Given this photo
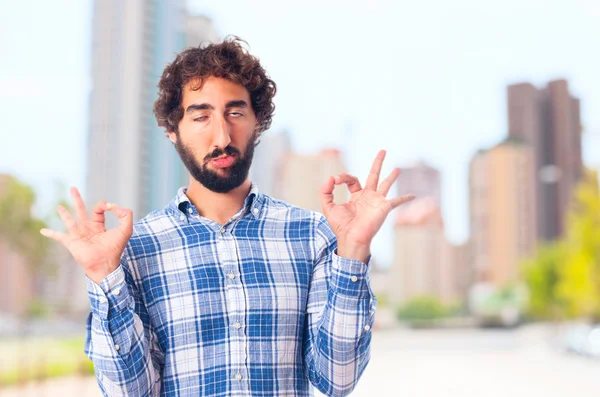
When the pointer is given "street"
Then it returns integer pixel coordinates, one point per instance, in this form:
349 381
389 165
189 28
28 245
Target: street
442 362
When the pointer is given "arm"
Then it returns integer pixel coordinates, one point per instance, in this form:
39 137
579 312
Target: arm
120 341
340 314
340 301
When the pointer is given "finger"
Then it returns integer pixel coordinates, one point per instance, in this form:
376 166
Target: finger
327 194
125 217
80 210
68 220
397 201
54 235
387 183
98 212
350 180
373 178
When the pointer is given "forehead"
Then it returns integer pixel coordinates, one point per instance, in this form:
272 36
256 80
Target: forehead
214 91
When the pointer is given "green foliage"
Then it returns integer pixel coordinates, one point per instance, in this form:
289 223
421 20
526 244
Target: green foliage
422 308
579 280
36 359
542 274
564 277
18 227
37 309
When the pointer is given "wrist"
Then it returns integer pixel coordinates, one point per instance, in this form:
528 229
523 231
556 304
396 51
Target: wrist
356 251
98 274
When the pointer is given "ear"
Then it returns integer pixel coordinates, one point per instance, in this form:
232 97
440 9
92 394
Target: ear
172 136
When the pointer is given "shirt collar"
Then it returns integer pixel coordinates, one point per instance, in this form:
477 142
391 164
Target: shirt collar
253 202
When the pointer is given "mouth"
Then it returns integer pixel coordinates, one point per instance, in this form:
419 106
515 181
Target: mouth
223 161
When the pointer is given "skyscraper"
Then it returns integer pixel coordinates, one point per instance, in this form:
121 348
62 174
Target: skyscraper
130 161
418 244
425 263
303 175
268 163
549 120
502 210
419 179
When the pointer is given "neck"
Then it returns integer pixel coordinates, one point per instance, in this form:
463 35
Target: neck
219 207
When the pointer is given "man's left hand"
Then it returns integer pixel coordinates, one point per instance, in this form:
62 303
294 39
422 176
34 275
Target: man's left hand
356 222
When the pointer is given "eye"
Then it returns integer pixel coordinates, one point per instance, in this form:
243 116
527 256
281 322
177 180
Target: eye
201 118
236 114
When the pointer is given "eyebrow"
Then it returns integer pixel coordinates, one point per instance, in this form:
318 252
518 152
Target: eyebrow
238 103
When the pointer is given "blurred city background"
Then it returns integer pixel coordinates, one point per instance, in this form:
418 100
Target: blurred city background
488 283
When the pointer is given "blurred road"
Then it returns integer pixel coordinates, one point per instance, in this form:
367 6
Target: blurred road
454 363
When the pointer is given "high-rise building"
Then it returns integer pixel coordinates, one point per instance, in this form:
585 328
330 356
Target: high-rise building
502 211
425 263
549 120
268 163
456 273
130 160
419 241
17 281
303 176
421 180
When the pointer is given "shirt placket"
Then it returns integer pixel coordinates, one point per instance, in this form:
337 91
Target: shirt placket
236 307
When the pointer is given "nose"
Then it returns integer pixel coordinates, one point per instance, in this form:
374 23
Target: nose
221 136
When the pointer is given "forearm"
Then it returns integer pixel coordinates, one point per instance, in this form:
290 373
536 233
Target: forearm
117 342
338 347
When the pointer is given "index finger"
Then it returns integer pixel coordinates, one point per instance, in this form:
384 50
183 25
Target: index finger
98 212
373 178
80 211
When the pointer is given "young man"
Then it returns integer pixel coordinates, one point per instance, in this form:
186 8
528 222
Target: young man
226 291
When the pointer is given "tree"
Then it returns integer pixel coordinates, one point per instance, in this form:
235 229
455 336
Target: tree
579 280
542 274
564 276
18 227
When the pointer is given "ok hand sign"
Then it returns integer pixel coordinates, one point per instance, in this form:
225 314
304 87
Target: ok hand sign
96 249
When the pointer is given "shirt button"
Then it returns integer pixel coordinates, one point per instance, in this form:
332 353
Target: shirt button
367 327
354 279
255 210
117 291
238 325
238 376
182 218
102 299
222 230
231 276
190 210
117 347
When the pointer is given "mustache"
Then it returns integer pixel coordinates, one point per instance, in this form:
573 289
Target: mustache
229 151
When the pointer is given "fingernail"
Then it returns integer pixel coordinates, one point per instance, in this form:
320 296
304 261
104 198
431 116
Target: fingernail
108 205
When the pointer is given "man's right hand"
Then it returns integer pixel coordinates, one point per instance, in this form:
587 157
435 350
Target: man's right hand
96 249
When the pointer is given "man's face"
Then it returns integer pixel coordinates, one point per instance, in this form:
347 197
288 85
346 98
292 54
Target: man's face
216 134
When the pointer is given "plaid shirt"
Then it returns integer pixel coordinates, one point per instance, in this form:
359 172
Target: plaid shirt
260 306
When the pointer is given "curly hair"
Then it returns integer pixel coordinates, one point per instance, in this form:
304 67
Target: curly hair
229 60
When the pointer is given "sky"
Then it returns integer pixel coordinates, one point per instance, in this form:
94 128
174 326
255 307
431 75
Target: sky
424 80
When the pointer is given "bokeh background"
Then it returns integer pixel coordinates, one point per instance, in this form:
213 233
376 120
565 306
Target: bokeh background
488 283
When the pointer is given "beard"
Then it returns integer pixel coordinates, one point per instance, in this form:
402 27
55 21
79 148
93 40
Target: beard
233 176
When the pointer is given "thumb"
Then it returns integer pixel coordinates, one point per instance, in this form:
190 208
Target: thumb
326 194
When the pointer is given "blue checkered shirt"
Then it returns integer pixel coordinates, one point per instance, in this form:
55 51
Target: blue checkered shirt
260 306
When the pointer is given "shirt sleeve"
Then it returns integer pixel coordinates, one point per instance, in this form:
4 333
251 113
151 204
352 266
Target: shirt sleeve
120 341
340 313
